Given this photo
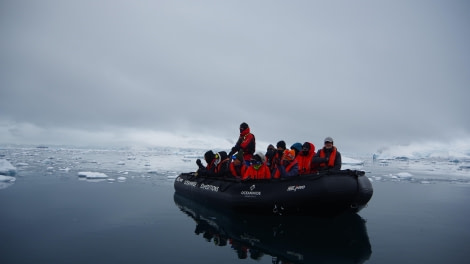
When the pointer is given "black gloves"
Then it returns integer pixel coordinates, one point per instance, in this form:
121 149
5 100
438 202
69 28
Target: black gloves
199 163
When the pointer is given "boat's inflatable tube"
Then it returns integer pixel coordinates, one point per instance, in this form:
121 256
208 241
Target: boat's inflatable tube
317 194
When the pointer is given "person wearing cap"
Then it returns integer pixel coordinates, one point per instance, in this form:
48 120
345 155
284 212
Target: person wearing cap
304 159
237 167
258 170
245 142
328 158
288 166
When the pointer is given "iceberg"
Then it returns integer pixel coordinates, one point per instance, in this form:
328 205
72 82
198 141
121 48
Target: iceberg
6 168
92 175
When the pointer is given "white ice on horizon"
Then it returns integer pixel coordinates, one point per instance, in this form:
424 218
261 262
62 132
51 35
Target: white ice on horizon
457 150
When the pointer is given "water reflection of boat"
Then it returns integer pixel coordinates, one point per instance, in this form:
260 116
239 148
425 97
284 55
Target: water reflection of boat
297 239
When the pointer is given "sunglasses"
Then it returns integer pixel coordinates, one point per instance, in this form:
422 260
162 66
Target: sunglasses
326 142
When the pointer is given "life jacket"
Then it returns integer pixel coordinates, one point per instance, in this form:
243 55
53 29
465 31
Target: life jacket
237 171
305 161
331 161
277 173
259 174
222 166
247 144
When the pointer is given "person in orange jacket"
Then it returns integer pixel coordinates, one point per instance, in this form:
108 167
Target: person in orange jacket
237 167
288 166
305 158
258 170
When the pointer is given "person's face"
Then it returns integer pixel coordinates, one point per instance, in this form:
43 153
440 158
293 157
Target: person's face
328 144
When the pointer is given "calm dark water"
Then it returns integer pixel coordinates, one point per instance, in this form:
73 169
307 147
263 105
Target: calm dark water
55 217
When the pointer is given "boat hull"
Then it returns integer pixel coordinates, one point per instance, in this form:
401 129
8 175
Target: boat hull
316 194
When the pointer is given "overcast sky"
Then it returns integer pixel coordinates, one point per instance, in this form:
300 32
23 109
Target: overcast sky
367 73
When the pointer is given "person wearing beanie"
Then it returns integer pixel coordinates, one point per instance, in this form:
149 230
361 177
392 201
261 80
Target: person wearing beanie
258 170
288 166
246 142
276 160
328 158
209 157
297 147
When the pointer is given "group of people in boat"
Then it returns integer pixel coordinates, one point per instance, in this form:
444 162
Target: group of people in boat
278 162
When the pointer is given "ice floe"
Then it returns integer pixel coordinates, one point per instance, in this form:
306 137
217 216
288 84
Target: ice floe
92 175
6 168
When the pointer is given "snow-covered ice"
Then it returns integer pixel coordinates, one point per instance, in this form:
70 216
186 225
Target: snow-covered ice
6 168
92 175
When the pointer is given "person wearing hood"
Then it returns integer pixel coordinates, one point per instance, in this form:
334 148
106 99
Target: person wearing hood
258 170
245 142
328 158
288 166
304 159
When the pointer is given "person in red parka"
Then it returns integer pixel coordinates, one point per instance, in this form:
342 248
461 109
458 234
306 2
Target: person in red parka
304 159
245 142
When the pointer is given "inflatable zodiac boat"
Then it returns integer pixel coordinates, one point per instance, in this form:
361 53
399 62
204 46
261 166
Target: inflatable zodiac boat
329 193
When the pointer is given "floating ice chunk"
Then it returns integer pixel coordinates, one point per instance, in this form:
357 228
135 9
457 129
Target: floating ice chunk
121 179
22 164
50 168
121 163
350 161
4 178
404 175
92 175
111 180
6 168
65 169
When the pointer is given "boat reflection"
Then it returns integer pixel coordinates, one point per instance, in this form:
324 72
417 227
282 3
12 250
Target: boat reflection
286 239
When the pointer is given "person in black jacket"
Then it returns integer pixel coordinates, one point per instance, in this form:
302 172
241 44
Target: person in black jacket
328 158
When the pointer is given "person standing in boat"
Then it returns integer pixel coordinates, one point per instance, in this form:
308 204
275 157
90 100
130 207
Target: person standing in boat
245 142
288 166
258 170
328 158
237 167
